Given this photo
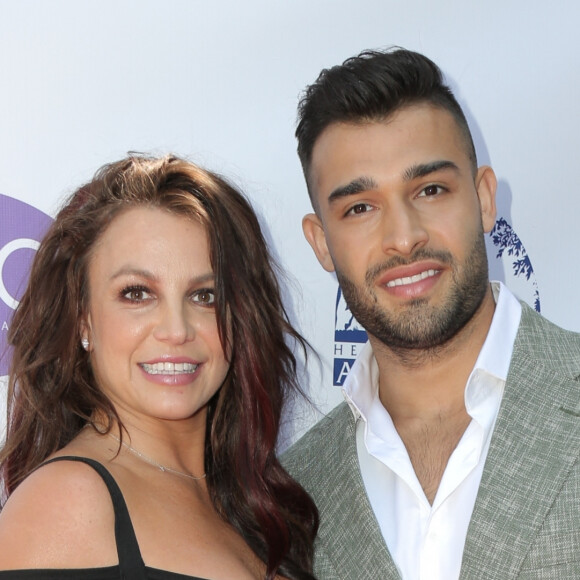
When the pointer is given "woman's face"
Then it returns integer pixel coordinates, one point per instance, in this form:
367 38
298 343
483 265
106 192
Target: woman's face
151 323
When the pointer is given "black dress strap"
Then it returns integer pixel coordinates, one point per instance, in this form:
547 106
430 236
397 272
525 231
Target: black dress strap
131 565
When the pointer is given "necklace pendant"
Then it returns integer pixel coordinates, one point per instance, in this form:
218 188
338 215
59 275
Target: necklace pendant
154 463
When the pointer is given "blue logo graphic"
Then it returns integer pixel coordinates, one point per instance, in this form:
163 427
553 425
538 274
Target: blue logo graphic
511 250
508 262
349 338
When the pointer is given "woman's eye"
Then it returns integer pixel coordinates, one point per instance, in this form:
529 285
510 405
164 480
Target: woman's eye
136 294
204 297
359 208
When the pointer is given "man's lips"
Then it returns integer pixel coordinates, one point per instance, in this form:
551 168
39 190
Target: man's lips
411 274
412 279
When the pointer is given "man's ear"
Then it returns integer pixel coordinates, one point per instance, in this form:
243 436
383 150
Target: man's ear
486 185
314 232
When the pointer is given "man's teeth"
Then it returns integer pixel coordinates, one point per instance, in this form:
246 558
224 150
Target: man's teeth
168 368
411 279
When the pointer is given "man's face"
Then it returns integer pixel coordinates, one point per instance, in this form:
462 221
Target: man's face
401 219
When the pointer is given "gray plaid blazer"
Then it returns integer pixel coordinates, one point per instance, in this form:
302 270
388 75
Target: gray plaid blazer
526 519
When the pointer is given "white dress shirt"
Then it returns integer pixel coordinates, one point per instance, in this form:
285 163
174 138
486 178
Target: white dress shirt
427 541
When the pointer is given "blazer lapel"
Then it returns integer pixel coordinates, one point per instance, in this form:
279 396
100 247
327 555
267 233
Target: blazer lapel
535 443
353 540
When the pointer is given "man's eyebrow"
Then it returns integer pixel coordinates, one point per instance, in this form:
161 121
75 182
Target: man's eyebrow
423 169
357 185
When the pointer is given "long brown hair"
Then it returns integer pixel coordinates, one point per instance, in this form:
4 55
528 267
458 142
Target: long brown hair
52 393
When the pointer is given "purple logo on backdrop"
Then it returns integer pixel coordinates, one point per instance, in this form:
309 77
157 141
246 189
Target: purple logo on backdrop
21 229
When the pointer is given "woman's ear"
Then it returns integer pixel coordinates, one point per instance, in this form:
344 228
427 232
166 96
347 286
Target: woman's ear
85 333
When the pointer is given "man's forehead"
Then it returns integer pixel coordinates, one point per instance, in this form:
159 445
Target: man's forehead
340 130
412 135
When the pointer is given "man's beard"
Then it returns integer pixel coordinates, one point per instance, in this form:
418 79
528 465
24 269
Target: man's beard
419 326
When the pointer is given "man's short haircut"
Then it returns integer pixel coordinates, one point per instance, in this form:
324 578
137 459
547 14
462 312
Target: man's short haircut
371 87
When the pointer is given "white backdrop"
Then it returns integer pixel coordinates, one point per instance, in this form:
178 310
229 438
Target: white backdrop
83 83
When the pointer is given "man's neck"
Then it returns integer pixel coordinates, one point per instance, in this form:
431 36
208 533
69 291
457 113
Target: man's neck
424 395
422 383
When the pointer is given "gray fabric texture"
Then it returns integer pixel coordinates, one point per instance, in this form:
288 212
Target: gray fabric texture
526 520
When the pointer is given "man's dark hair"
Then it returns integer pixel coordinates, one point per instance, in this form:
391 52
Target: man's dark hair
371 87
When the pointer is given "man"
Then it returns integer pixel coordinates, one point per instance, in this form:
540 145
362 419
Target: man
455 454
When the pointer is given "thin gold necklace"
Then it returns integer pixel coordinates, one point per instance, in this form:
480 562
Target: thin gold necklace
151 461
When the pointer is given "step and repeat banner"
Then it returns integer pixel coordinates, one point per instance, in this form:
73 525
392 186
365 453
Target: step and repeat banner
83 83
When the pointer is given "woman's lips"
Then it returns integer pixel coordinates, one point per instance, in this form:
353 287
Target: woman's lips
174 371
169 368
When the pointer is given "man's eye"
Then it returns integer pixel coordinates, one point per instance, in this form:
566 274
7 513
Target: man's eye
205 297
359 208
431 190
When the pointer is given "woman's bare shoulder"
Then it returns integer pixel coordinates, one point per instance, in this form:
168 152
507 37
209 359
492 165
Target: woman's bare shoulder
60 516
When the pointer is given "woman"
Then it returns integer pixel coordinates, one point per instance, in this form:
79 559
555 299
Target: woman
150 356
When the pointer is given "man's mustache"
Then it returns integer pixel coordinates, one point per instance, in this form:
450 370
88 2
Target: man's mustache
422 254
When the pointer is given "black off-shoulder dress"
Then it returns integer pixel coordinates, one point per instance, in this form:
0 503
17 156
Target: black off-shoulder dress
131 565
